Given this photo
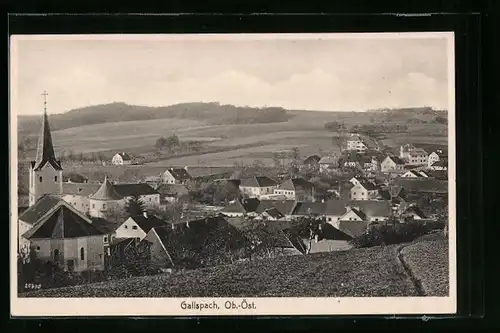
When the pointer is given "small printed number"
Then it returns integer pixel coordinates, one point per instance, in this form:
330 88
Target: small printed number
32 286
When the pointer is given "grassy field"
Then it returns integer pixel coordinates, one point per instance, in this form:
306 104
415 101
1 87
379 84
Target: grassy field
428 261
372 272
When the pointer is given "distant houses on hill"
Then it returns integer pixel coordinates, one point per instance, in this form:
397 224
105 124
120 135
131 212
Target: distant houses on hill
121 158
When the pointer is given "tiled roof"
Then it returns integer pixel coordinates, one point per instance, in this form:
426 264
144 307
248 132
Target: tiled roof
428 185
173 190
148 223
104 225
329 232
258 181
242 206
128 190
314 159
440 163
106 191
416 210
368 186
284 206
40 208
306 208
63 223
179 173
296 184
203 238
396 160
83 189
372 208
328 160
353 228
335 207
274 213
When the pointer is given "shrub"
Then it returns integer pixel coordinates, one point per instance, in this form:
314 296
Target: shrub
385 234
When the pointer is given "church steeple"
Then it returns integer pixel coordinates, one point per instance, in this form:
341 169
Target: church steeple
45 149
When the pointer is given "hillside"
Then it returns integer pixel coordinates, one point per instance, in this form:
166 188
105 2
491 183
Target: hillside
215 113
372 272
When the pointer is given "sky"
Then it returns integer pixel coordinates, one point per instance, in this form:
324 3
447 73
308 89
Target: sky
323 74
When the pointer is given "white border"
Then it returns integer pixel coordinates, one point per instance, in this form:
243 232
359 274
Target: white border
265 306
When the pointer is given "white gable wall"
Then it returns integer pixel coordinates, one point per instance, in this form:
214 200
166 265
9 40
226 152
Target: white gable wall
129 229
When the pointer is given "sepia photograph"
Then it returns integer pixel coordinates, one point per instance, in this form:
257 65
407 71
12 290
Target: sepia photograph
232 174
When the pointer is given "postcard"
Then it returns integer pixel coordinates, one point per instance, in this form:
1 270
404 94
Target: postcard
232 174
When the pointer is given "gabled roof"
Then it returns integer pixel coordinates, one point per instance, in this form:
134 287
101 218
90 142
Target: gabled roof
313 159
134 189
83 189
335 207
242 206
124 156
147 223
440 163
63 223
353 228
179 173
258 181
373 208
296 184
428 185
104 225
284 206
418 151
45 150
415 173
396 160
366 185
106 192
416 210
203 238
274 213
359 213
307 208
172 190
328 160
43 205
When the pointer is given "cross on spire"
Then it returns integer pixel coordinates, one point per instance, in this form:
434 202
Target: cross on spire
45 94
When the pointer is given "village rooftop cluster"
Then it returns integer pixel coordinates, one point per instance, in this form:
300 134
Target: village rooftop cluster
68 222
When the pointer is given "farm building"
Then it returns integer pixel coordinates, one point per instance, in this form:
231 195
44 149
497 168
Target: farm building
121 159
175 176
255 187
392 163
297 189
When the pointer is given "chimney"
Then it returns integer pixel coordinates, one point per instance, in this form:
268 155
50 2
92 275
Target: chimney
322 200
316 238
173 226
145 214
187 224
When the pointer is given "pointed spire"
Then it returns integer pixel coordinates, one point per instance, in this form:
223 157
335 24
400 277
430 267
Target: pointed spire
106 192
45 149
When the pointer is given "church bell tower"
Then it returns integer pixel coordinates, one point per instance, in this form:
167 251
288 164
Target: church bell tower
45 170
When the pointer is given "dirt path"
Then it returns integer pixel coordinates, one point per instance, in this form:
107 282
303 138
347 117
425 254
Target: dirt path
416 282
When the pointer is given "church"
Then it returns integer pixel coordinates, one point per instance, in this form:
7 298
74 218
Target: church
58 232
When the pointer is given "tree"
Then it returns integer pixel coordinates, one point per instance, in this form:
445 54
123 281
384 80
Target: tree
295 155
276 160
172 142
135 206
440 120
310 227
116 214
160 142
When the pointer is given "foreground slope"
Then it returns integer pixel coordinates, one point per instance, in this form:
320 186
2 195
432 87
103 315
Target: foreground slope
360 272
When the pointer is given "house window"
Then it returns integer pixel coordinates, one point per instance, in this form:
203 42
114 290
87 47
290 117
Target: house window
56 255
93 205
126 227
40 179
329 219
134 227
105 239
103 206
38 248
55 178
82 253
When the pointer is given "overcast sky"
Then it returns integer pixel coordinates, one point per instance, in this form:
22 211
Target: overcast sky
317 74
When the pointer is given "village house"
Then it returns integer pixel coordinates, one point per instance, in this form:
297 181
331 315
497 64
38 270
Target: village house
312 161
241 207
417 156
441 165
405 150
412 212
121 159
328 163
357 180
355 143
364 191
194 243
392 163
413 174
271 214
436 156
78 195
297 189
175 176
66 237
115 196
137 227
352 160
285 207
74 177
423 186
255 187
172 192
